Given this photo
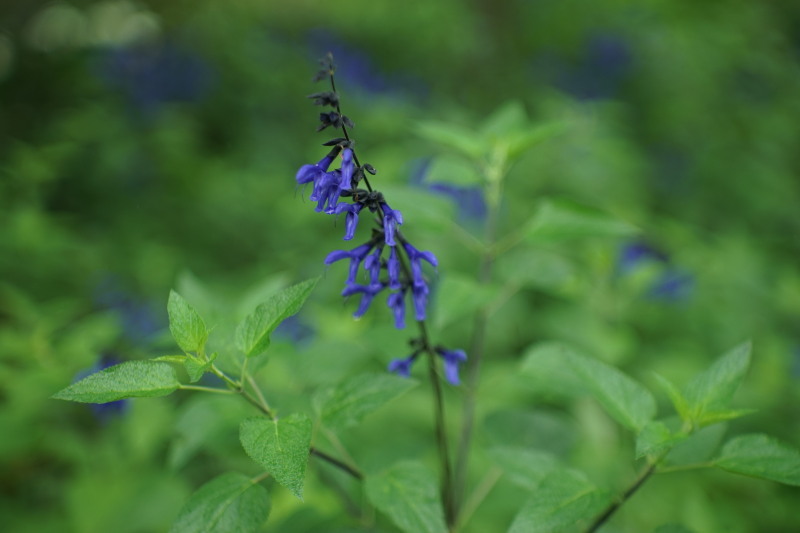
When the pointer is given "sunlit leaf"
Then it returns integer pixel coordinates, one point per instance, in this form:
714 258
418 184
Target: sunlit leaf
230 503
185 324
133 379
761 456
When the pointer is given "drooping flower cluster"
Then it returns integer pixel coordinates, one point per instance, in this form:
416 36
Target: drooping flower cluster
390 263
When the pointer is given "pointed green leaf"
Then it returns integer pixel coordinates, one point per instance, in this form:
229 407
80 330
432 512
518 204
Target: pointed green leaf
520 141
523 467
252 335
712 390
453 170
185 324
655 438
508 118
196 367
453 136
564 501
230 503
675 396
350 401
561 220
280 446
761 456
407 492
628 402
134 379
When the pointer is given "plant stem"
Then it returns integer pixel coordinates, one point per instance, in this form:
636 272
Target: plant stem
341 465
441 439
477 344
611 509
206 389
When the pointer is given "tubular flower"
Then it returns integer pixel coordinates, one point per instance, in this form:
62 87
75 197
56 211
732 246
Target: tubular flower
452 359
356 256
309 173
351 219
391 219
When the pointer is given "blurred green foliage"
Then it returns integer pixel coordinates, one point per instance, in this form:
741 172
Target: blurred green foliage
149 145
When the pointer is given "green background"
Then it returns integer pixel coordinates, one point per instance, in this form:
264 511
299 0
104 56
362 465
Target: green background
152 145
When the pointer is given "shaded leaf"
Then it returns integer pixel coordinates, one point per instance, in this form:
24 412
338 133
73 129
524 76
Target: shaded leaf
349 402
675 396
230 503
196 367
408 493
456 137
280 446
698 447
453 170
524 467
561 220
185 324
761 456
655 438
563 501
711 391
252 335
133 379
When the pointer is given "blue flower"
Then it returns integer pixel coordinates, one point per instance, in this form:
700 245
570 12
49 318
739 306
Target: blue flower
368 293
393 269
356 255
402 367
397 303
372 264
452 359
311 173
347 169
419 295
351 219
391 219
326 192
415 257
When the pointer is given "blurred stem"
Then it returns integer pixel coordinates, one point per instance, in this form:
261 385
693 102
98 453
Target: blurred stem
478 495
611 509
648 471
495 172
341 465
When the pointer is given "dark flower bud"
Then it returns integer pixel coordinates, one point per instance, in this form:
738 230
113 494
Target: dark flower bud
336 141
326 98
369 168
331 118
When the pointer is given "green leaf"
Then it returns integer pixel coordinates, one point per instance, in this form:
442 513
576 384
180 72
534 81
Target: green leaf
655 438
672 528
185 323
521 141
710 392
280 446
698 448
252 335
196 367
675 396
230 503
462 140
407 492
628 402
761 456
350 401
134 379
453 170
523 467
508 118
176 359
564 501
561 220
459 297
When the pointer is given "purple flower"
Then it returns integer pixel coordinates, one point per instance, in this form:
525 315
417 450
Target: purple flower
356 255
391 219
397 303
372 264
419 295
402 367
309 173
326 192
393 269
368 293
415 257
347 170
351 219
452 359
